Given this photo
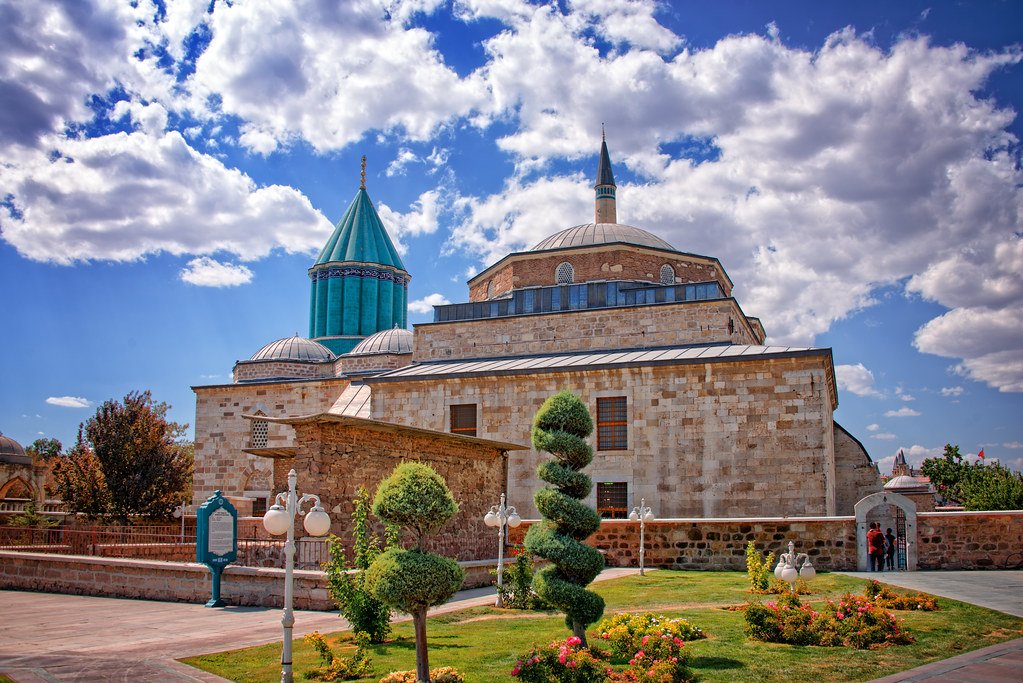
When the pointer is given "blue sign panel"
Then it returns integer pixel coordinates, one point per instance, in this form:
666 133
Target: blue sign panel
216 539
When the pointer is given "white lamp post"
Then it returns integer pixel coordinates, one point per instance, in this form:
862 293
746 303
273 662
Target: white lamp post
179 512
279 520
641 514
787 563
498 516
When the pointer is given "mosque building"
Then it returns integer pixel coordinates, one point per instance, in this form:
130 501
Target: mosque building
694 413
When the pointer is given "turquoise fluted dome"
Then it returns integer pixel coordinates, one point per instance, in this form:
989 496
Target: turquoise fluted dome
359 284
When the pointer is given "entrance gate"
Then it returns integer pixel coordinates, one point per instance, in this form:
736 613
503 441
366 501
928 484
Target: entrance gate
905 521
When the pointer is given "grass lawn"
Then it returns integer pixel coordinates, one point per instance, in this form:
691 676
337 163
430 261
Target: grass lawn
484 642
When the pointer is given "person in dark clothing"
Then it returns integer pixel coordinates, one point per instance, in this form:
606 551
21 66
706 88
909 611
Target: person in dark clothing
875 547
890 548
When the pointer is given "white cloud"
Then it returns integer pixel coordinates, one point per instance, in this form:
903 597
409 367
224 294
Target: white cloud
873 427
904 411
916 454
401 161
421 219
69 401
426 304
207 272
122 196
856 379
1013 445
951 391
903 396
884 436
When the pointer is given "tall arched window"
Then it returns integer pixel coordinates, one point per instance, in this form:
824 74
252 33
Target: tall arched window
667 275
565 274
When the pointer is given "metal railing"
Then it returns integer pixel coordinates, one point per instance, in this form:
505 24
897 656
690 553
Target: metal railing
165 543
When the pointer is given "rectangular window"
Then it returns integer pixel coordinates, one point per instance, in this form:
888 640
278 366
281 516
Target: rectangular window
613 499
463 419
612 424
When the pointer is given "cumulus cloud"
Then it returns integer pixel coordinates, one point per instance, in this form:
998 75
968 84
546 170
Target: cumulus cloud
426 304
420 219
856 379
69 401
884 436
952 391
905 411
903 396
873 427
1013 445
207 272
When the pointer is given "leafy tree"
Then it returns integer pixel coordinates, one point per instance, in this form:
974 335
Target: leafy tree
414 497
128 462
44 452
560 428
977 486
347 588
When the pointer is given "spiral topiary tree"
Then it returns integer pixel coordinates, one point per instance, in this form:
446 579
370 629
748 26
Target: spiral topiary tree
416 498
560 428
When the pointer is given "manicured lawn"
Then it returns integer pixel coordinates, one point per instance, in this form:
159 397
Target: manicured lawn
484 642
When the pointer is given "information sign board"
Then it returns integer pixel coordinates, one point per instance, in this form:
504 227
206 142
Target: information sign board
216 539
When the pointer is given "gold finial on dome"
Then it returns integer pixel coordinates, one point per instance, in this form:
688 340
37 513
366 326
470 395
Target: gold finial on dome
362 182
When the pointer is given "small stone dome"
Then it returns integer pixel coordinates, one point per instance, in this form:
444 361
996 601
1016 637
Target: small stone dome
602 233
397 340
12 452
904 482
294 349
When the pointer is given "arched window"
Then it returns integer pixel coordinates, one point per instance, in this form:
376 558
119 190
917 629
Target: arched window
260 431
565 274
667 275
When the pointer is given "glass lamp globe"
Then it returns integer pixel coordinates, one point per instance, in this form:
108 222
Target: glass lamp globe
778 570
276 520
789 574
634 516
807 572
514 520
648 517
491 519
317 522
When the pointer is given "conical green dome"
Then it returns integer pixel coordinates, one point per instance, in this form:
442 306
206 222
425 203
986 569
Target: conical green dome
360 237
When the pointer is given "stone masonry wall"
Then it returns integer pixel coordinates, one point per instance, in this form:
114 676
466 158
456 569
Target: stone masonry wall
857 475
375 361
598 263
253 370
221 432
727 439
970 540
340 458
671 324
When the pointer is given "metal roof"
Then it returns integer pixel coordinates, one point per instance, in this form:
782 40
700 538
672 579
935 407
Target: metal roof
12 452
294 348
598 359
589 234
354 401
360 237
396 340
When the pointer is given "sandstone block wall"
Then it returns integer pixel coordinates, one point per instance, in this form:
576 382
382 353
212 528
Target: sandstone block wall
221 432
255 370
669 324
729 439
970 540
376 361
599 263
856 475
333 460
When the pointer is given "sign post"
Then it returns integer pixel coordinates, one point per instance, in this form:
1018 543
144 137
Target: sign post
216 539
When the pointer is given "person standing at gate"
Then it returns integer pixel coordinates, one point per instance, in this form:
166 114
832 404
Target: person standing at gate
875 547
890 548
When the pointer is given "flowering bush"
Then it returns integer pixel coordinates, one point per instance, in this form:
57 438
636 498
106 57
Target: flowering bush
882 596
338 667
517 589
626 634
853 621
561 663
444 674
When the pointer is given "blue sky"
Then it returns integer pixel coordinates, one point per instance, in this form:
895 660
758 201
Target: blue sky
171 168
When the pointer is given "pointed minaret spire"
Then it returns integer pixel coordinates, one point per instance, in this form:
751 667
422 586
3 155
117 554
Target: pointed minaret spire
607 211
362 182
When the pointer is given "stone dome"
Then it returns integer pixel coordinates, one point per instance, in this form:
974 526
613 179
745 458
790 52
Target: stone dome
12 452
294 349
904 482
602 233
396 340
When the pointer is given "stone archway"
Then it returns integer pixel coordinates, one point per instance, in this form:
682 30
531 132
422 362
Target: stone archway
872 501
17 485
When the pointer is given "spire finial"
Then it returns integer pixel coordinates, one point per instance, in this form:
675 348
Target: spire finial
603 138
362 182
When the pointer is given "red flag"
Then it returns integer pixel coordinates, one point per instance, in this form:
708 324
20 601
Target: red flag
981 454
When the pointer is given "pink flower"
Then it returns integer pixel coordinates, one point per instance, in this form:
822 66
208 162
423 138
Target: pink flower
639 655
562 658
840 616
573 641
515 671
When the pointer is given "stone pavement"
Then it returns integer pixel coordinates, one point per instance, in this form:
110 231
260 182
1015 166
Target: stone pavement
45 637
997 590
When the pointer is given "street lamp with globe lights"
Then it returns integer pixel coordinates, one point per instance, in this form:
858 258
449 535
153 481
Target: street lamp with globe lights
787 563
499 516
641 514
280 519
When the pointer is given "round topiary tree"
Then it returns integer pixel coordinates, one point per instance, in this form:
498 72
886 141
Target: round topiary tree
559 428
414 497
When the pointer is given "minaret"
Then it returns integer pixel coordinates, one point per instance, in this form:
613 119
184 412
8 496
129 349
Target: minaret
605 187
359 284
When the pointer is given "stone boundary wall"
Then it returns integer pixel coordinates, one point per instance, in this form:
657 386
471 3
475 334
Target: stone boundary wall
959 540
177 581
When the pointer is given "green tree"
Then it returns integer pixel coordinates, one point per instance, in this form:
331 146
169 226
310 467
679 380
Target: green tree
45 453
130 461
416 498
560 428
947 472
347 588
976 486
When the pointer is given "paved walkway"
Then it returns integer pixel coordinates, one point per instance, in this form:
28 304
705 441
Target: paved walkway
997 590
45 637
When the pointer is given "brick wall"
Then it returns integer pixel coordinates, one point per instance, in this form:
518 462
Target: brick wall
176 582
250 370
600 262
670 324
728 439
